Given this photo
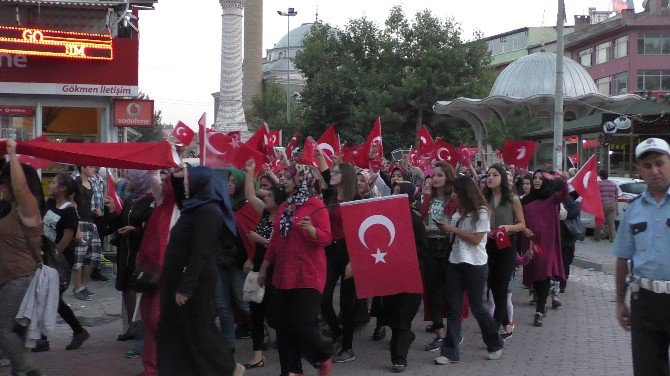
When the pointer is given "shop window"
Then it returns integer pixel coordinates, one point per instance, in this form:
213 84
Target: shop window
620 83
653 44
17 122
71 122
621 47
585 57
603 52
653 80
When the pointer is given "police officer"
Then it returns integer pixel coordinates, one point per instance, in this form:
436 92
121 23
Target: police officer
643 240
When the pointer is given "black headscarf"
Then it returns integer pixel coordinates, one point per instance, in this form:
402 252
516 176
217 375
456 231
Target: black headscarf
413 193
543 193
204 186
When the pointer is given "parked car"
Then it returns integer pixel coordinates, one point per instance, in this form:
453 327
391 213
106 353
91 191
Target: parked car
628 189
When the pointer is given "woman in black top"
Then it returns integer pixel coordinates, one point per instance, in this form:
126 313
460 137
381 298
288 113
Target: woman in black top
189 342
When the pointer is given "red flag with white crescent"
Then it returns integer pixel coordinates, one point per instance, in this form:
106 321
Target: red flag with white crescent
585 183
257 140
329 144
442 151
292 145
519 153
374 138
308 150
183 133
502 238
425 139
381 247
354 155
221 150
236 135
111 192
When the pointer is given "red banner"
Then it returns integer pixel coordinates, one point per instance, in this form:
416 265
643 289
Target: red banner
17 110
380 242
519 153
585 183
134 113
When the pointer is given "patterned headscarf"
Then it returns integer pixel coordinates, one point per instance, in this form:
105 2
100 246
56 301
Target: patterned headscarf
303 179
140 184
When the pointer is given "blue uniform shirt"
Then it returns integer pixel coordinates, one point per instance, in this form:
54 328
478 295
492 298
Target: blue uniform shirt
644 237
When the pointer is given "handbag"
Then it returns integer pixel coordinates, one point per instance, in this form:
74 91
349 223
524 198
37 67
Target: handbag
142 280
252 291
574 226
51 257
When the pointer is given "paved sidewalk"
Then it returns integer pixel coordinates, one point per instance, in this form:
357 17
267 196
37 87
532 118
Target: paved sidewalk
595 255
580 338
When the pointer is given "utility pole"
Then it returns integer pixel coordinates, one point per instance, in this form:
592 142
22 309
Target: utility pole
558 159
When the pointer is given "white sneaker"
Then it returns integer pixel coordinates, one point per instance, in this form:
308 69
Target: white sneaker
442 360
494 355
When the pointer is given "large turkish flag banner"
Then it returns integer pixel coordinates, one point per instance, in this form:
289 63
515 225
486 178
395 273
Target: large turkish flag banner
380 242
585 182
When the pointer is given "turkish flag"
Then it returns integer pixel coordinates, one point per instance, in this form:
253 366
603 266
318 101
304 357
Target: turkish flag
354 154
585 182
111 192
374 138
442 151
329 144
574 159
519 153
502 238
308 150
221 150
380 242
292 145
36 163
258 139
236 135
425 139
270 141
183 133
467 154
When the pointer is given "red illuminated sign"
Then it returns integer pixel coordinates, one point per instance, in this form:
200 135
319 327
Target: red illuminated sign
17 110
55 43
133 113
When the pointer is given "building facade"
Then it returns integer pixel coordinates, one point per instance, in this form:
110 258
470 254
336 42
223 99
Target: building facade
511 45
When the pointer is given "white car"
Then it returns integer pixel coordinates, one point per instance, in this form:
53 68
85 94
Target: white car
628 189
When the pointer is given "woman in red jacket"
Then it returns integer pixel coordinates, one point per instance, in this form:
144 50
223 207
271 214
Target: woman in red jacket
296 251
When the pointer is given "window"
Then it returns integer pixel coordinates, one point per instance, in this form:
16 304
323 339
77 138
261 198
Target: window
620 83
603 52
585 57
621 47
603 85
653 44
653 80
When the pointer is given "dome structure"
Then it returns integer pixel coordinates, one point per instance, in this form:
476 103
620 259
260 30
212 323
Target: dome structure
297 35
535 74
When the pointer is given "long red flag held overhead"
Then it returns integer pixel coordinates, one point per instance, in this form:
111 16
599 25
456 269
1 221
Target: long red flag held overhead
380 243
136 155
585 182
519 153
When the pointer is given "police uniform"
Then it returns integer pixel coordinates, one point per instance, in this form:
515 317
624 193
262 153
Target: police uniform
644 238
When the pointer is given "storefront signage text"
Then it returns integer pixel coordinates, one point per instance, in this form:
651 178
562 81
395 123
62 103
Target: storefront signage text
17 110
55 43
134 113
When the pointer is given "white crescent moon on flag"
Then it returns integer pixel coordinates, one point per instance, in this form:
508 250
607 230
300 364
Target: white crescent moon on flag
375 220
522 153
377 139
500 236
209 145
439 153
423 140
327 147
181 132
586 178
273 139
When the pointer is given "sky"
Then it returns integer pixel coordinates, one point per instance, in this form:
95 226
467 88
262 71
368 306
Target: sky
180 46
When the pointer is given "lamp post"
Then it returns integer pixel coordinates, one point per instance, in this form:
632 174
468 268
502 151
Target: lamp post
291 12
557 155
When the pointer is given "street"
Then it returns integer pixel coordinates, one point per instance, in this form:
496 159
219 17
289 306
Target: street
580 338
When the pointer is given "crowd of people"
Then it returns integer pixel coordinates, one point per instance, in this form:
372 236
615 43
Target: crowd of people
187 238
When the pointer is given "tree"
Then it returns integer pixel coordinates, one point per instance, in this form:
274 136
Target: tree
270 107
518 123
155 133
397 72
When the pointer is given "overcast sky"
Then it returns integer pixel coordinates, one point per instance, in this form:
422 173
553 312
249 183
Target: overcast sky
180 43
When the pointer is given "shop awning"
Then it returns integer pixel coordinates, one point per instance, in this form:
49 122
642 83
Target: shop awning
593 123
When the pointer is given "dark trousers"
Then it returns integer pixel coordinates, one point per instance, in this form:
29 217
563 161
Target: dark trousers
568 256
338 259
501 266
297 312
471 279
401 340
258 313
650 333
435 277
542 291
68 316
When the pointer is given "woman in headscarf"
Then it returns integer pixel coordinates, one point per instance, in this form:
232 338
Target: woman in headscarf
542 234
399 310
296 249
189 343
129 226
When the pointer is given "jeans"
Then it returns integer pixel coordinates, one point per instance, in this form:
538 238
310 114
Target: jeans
434 280
12 343
650 333
471 279
229 287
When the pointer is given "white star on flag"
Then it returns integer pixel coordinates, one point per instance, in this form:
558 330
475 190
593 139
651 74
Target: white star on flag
235 143
448 157
379 256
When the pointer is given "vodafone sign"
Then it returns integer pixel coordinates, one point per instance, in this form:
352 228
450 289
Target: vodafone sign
134 113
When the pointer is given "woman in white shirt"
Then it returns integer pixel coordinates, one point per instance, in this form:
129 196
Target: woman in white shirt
468 271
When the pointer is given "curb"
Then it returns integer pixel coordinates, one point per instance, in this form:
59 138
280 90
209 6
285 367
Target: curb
583 263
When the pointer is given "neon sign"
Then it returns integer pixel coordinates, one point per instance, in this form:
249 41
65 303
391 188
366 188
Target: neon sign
55 43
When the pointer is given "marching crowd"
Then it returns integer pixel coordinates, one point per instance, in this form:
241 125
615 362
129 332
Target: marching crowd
198 247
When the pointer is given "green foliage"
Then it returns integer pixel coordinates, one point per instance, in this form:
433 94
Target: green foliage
270 107
518 123
397 72
154 133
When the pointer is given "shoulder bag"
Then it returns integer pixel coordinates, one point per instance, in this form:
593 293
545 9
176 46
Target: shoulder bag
52 258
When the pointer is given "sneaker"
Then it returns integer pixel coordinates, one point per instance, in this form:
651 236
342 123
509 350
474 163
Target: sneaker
442 360
379 333
132 354
325 368
78 339
82 296
41 345
344 356
435 344
88 292
537 321
397 368
494 355
505 335
462 339
556 303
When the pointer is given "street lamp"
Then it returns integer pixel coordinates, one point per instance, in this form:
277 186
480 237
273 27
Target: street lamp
291 12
